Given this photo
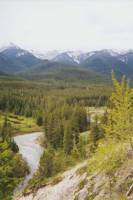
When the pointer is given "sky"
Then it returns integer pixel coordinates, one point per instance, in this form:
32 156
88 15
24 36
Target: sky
45 25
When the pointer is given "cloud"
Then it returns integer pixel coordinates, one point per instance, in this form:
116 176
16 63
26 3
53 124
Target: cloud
56 24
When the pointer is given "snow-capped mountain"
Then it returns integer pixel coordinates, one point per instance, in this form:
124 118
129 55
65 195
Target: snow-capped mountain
57 55
9 46
69 57
47 55
77 57
14 59
13 51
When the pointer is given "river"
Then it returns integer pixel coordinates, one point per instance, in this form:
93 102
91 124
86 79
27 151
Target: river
31 151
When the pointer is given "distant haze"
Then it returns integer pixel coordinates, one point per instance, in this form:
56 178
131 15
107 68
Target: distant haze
67 24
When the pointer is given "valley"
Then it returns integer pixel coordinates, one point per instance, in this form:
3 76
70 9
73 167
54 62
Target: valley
73 118
66 100
74 106
20 124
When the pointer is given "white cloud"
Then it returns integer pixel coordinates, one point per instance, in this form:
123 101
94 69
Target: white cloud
65 24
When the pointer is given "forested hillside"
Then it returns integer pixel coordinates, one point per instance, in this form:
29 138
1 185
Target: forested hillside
66 100
14 59
104 143
73 131
28 98
58 109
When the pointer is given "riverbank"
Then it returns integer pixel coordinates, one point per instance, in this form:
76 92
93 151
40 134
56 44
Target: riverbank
79 184
61 190
20 124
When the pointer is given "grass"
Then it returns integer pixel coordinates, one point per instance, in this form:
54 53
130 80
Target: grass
82 170
56 180
20 124
82 184
85 135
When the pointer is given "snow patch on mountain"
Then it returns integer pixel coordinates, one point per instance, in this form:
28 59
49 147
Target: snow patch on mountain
124 59
21 53
49 55
112 52
75 55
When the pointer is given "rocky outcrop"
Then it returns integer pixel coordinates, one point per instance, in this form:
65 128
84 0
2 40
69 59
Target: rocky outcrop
76 184
64 190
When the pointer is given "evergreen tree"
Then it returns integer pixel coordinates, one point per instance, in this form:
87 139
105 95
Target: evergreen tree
120 117
46 168
14 146
95 134
12 170
6 130
82 146
39 121
68 138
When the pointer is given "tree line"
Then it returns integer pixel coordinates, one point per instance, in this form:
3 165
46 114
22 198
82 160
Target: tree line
29 99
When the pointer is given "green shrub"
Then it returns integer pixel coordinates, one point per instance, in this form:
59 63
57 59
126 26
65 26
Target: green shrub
108 158
12 171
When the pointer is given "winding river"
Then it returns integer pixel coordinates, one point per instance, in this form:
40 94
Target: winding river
31 151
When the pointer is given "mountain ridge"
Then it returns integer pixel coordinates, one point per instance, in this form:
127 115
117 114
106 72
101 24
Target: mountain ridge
16 60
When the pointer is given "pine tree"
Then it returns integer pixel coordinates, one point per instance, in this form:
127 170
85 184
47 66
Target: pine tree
82 146
95 134
6 130
68 138
39 121
46 168
120 116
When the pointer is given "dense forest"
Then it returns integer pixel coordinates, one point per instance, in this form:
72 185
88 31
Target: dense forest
70 135
108 147
59 109
31 99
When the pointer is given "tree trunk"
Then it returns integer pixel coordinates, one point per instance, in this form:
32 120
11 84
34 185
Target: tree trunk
130 190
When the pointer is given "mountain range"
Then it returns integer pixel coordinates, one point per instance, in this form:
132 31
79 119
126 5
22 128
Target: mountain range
67 65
